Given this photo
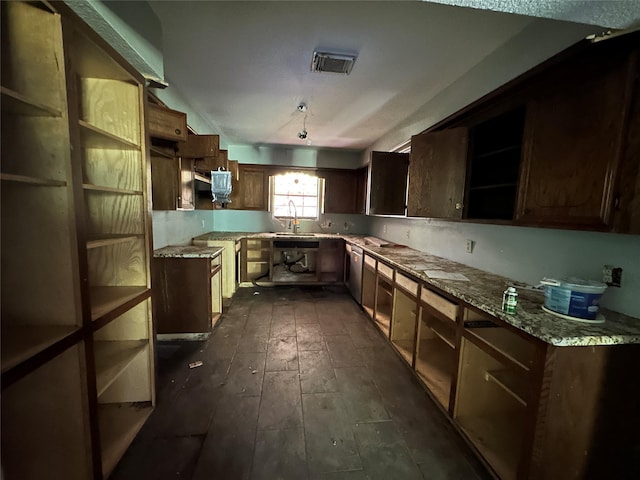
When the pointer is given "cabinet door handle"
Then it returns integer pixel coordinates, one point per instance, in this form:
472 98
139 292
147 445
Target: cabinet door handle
178 131
458 206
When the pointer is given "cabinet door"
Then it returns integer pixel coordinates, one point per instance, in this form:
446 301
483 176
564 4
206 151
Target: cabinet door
182 295
340 191
164 180
166 123
437 168
388 183
208 164
187 187
572 146
199 146
253 189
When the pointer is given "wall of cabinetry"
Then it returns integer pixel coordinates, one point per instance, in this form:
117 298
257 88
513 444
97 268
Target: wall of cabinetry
77 356
545 149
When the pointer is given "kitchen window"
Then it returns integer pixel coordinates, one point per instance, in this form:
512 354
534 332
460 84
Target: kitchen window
296 195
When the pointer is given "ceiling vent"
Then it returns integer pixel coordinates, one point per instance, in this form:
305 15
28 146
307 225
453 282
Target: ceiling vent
332 62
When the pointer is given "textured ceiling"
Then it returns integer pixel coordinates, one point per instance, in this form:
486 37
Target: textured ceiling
617 14
245 65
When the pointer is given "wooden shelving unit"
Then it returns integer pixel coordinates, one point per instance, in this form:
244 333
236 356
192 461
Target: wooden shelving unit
496 147
256 259
435 364
384 305
404 325
74 207
491 406
369 284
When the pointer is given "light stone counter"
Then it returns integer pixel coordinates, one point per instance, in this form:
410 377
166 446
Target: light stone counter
212 237
187 251
484 291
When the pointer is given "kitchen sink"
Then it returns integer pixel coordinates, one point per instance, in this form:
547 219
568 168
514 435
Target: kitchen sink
291 234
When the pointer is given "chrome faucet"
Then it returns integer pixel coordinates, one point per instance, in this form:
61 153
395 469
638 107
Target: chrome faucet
296 223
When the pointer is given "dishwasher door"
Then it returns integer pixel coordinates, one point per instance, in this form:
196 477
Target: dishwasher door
355 274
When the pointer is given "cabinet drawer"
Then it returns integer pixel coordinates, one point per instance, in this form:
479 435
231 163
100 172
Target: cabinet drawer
408 284
439 303
385 271
370 261
166 123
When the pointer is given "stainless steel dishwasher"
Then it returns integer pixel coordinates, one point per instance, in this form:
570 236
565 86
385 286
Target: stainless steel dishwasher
355 273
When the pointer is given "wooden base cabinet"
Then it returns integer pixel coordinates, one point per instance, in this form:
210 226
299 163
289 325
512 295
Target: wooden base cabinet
188 295
531 410
77 343
536 411
230 260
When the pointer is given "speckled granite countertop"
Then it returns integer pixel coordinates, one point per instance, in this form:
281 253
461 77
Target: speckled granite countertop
484 291
212 237
187 251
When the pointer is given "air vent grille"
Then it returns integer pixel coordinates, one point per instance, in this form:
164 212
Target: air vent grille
332 62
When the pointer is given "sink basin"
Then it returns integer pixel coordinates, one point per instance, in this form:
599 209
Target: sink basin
291 234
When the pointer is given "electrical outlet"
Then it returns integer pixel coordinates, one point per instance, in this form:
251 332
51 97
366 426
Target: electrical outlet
202 223
384 229
611 275
408 234
470 245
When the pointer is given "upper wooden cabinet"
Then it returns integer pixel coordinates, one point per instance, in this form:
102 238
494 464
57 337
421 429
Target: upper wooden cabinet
164 178
388 183
343 190
557 147
166 123
574 133
253 188
199 146
207 164
437 169
494 166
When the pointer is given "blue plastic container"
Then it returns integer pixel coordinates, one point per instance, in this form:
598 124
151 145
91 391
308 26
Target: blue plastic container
573 296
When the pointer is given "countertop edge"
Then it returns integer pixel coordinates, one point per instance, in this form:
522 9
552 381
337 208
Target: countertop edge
538 325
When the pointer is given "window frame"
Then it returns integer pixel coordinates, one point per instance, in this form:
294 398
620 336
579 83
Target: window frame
319 195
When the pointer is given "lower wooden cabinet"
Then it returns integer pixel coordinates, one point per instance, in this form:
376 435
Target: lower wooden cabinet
330 262
437 347
292 261
531 410
230 263
187 294
405 317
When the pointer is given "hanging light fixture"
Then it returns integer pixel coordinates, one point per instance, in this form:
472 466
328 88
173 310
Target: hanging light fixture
302 134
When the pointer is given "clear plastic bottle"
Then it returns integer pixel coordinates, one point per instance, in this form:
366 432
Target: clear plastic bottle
509 300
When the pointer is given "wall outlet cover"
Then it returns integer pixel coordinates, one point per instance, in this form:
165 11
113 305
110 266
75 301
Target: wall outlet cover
469 246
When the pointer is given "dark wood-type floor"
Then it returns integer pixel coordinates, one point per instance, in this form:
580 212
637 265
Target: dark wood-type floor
296 383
